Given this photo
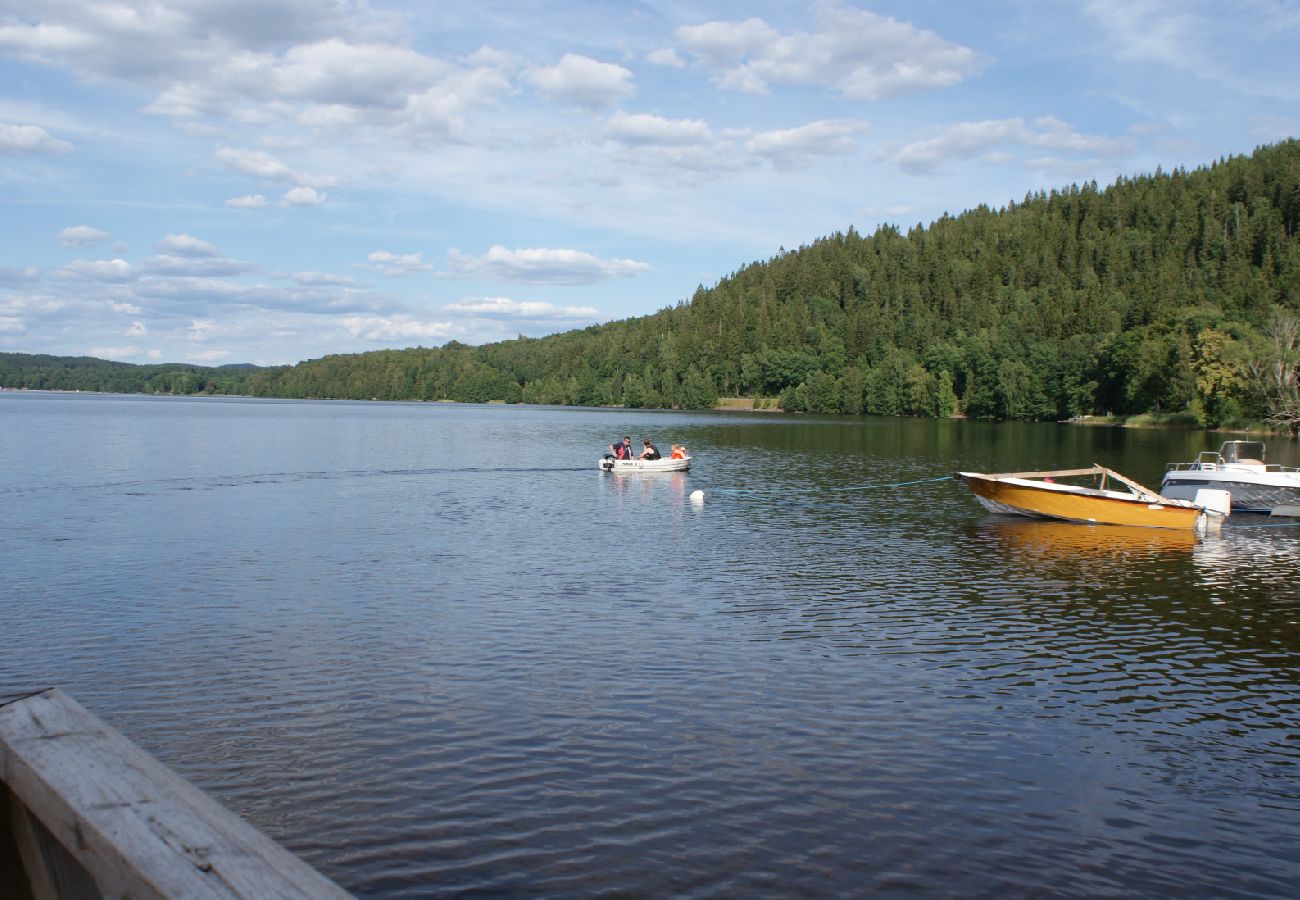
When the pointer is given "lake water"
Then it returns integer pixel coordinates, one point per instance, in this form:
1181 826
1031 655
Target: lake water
431 649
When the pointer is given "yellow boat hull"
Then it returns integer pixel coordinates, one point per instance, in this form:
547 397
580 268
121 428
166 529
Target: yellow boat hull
1068 503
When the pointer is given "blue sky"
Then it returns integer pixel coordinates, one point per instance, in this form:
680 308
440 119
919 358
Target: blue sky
222 181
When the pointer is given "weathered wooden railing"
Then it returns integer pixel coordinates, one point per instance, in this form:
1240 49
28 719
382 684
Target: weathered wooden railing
86 813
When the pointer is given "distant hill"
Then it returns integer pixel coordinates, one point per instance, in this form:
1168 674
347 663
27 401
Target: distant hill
85 373
1168 292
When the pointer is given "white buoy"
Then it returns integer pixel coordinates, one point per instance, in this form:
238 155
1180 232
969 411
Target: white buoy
697 496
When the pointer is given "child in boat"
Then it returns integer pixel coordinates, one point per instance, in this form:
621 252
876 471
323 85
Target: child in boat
679 452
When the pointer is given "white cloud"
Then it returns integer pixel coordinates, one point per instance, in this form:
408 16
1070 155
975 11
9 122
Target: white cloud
543 266
395 328
322 278
514 309
303 196
666 57
99 270
393 264
582 81
648 129
439 113
862 55
251 201
117 353
136 329
725 45
200 329
261 164
197 266
793 147
991 138
82 236
12 325
29 139
185 245
359 75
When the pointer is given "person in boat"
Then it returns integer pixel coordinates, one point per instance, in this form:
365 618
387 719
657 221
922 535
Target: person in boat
649 452
679 452
621 450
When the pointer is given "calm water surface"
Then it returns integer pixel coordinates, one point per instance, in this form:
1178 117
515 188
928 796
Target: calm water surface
431 649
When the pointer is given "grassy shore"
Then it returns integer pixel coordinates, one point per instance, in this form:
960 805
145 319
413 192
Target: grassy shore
1183 420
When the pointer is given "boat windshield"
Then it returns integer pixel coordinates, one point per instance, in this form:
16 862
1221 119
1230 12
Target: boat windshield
1242 452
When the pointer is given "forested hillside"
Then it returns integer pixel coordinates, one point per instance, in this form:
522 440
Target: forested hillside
85 373
1169 292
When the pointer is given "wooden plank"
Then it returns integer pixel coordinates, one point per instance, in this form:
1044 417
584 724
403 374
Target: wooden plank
138 828
1055 473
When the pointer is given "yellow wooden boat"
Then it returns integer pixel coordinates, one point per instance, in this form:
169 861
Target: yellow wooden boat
1112 500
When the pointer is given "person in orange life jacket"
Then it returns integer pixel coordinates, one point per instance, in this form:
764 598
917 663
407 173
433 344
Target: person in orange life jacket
679 452
649 452
621 450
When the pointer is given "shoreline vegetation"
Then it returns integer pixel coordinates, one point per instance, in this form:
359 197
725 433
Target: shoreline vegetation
1170 421
1176 292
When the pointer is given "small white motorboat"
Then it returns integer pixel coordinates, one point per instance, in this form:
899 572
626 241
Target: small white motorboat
1239 469
627 466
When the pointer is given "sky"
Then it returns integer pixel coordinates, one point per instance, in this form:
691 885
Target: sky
268 181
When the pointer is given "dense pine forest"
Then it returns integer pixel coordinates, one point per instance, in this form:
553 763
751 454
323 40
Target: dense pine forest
1174 292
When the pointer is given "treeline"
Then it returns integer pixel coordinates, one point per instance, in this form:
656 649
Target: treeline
85 373
1170 292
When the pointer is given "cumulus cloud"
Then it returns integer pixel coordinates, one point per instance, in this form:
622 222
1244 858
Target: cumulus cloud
791 148
303 196
391 329
393 265
992 139
359 75
185 245
543 266
29 139
98 270
581 81
152 42
504 307
82 236
648 129
251 201
331 65
860 54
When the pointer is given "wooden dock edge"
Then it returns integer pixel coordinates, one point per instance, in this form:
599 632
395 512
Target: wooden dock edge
91 814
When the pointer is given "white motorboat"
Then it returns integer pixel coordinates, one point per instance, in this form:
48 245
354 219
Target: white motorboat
1238 468
628 466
